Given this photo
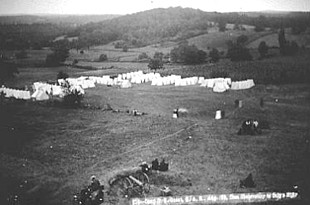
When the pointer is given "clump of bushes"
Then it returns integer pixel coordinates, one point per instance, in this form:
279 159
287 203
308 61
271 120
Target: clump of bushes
103 57
287 48
143 56
156 62
188 54
214 55
237 50
263 49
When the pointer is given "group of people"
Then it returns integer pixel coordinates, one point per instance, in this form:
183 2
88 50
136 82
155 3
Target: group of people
162 166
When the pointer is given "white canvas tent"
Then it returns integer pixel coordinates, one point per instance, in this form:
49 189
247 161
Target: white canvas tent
40 95
126 84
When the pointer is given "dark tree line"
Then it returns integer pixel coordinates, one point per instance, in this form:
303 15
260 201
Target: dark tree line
26 36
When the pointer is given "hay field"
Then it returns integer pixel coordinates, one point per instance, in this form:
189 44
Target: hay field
56 150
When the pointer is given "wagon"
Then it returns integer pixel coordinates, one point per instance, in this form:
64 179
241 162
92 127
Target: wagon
128 185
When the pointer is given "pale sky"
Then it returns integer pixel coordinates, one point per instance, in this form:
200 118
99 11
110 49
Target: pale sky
133 6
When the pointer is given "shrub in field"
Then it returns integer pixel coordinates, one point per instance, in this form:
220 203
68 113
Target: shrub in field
214 55
157 61
263 49
188 54
156 64
119 44
286 47
75 61
237 52
222 25
103 57
143 56
56 58
241 40
125 48
158 55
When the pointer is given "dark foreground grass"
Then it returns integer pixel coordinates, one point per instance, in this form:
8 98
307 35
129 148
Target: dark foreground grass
56 150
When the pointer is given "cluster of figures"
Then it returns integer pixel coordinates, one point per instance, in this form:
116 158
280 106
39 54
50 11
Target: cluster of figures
92 194
253 127
162 166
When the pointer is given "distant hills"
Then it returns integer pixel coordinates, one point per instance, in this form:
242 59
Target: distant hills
138 29
177 23
55 19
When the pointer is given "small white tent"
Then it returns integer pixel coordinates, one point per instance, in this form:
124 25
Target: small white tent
126 84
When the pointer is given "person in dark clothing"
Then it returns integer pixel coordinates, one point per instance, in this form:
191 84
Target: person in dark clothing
163 166
95 184
155 164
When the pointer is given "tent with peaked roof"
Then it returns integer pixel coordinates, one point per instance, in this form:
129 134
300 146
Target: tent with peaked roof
40 95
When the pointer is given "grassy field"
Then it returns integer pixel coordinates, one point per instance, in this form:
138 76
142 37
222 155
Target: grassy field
56 150
117 54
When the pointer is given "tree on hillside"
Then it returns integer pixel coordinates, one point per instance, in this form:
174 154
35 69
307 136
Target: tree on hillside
260 23
222 26
263 49
286 47
242 39
143 56
214 55
238 52
125 48
156 62
282 41
188 54
60 53
103 57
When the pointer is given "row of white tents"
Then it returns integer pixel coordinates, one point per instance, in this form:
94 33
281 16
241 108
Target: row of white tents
125 80
18 94
48 88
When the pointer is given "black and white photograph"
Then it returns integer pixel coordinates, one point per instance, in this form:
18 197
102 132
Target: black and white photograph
154 102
